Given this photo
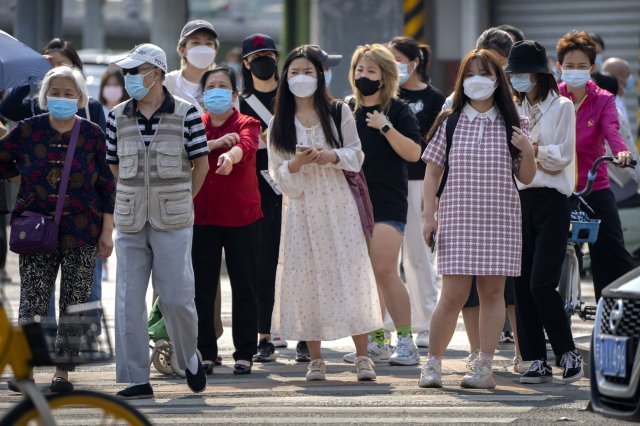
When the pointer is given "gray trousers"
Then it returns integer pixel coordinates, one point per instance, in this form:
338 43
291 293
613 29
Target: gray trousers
168 255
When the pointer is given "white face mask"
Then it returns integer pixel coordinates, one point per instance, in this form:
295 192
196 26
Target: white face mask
327 77
478 87
302 86
112 93
576 78
201 56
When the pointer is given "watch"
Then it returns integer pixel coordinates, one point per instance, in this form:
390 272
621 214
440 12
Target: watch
387 126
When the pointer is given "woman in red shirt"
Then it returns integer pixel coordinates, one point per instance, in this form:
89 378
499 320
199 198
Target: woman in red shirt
227 215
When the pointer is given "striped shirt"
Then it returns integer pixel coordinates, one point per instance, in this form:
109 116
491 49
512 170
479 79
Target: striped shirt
195 139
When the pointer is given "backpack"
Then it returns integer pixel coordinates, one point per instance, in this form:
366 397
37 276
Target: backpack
452 122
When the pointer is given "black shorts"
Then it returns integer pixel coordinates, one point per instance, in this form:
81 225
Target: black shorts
474 301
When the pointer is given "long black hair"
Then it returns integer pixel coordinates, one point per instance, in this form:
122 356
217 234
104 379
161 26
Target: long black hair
247 77
410 48
283 130
501 96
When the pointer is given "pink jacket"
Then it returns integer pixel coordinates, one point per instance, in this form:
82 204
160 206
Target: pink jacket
596 120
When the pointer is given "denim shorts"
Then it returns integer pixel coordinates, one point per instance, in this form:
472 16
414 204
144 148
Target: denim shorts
398 225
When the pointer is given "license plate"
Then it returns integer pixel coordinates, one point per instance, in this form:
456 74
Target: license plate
611 355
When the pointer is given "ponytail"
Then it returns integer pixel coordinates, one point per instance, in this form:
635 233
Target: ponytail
425 54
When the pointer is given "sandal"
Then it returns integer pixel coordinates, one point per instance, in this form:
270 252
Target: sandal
60 384
239 369
208 367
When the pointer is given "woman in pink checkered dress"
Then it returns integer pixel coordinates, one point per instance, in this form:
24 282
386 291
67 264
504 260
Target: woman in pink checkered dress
478 222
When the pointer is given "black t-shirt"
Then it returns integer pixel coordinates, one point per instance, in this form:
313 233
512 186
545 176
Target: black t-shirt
262 160
386 171
425 104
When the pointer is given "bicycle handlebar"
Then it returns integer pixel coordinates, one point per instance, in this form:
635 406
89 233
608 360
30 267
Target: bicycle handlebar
593 172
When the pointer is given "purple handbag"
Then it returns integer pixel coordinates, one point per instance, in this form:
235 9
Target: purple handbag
37 233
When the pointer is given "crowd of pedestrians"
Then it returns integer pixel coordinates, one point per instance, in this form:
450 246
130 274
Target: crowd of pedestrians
336 217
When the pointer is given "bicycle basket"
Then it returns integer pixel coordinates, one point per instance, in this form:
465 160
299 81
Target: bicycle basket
80 337
582 229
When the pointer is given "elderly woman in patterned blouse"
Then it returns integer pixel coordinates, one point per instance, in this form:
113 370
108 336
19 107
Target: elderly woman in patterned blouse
35 150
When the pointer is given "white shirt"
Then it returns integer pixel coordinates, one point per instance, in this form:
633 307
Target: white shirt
555 135
178 86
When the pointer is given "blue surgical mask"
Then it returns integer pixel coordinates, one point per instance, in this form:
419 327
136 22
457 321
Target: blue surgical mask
403 73
576 78
218 100
599 60
134 85
327 77
62 108
628 87
521 83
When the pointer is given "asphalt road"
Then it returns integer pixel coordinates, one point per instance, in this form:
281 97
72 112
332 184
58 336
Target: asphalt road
276 393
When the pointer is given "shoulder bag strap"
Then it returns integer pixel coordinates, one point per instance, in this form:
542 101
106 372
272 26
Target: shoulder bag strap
452 122
262 111
67 170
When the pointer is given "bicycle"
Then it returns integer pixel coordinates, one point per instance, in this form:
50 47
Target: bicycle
24 347
582 229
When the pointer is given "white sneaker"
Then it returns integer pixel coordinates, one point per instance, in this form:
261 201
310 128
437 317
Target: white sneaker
364 369
422 339
471 358
479 376
376 353
405 352
317 370
278 341
431 374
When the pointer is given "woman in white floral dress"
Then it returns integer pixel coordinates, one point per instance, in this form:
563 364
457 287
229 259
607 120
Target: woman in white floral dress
325 288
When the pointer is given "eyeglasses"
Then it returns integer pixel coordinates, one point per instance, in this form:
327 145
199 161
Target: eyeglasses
135 71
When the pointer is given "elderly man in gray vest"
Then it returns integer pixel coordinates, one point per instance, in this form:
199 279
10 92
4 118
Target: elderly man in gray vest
157 150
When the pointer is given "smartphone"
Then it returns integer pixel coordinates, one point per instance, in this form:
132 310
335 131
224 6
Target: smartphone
302 148
432 241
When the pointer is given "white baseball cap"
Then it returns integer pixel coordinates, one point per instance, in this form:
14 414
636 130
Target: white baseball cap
144 53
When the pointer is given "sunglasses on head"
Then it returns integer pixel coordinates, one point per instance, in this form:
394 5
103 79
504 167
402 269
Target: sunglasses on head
135 71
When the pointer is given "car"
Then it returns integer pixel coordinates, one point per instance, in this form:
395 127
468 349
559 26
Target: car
614 359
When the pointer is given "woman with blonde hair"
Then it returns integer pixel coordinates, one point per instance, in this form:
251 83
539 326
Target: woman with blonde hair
390 137
197 48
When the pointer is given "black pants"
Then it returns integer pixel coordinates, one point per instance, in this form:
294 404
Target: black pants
539 306
268 263
609 258
241 253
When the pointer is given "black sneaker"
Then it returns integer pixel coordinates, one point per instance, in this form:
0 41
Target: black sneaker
266 351
302 352
538 372
136 392
60 384
506 337
572 364
197 382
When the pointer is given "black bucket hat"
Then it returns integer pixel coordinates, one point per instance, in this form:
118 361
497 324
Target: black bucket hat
527 56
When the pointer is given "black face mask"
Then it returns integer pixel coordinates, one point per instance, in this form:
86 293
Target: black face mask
263 67
367 86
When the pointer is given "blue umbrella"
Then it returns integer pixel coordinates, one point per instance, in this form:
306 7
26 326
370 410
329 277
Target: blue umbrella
19 64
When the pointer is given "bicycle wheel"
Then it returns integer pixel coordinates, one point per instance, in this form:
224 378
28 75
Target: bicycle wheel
75 406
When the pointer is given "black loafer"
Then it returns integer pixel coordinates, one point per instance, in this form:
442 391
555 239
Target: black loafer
239 369
60 384
197 382
136 392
